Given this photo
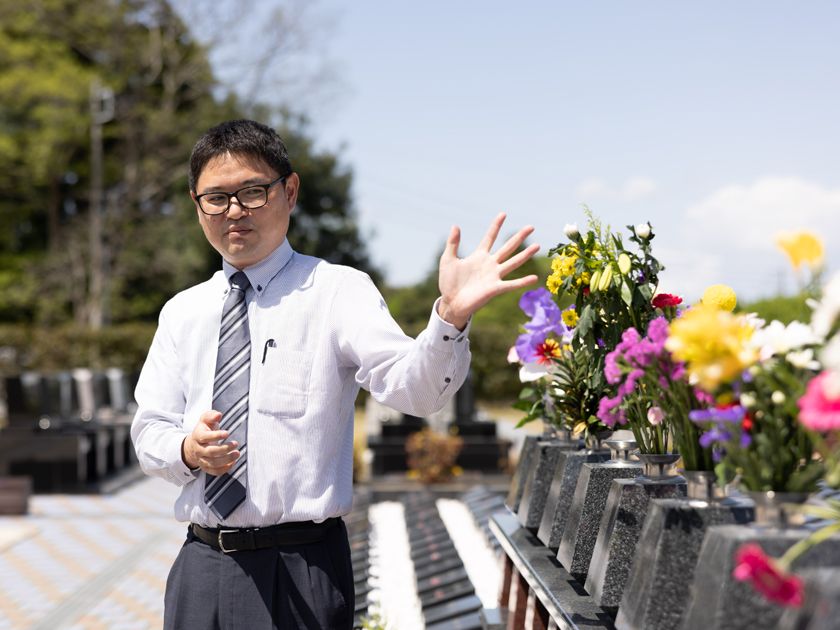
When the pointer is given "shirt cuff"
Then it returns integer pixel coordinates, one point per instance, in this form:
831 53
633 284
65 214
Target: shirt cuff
445 336
177 465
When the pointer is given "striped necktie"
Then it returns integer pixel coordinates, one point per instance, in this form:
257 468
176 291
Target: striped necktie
225 493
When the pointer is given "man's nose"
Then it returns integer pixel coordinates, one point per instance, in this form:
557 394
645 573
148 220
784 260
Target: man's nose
236 209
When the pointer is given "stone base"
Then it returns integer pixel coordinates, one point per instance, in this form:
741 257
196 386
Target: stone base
534 494
657 589
720 602
587 511
562 491
624 515
821 608
521 473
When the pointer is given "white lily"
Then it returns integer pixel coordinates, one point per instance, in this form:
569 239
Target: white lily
571 230
803 359
643 230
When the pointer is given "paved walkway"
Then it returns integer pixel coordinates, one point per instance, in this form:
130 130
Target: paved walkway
89 562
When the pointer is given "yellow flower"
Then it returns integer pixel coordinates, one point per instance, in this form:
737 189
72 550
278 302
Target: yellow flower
712 343
570 318
801 246
554 282
720 296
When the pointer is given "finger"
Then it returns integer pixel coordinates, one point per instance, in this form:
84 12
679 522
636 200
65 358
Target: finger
490 238
451 250
513 242
218 451
210 417
205 438
219 462
513 285
218 471
517 261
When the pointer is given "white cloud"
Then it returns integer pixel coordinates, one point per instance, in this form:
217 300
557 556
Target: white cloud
747 217
634 188
728 237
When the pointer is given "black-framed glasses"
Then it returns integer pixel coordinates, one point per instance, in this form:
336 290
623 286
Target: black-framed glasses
251 197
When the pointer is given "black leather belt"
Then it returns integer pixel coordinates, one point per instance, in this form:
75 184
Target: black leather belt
253 538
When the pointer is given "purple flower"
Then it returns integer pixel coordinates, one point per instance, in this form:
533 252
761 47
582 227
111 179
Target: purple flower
611 369
730 414
605 411
526 346
713 436
531 299
746 440
601 343
544 313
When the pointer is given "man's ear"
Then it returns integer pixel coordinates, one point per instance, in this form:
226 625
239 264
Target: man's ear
292 185
197 207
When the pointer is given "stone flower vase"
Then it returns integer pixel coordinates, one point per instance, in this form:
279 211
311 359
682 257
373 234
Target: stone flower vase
703 485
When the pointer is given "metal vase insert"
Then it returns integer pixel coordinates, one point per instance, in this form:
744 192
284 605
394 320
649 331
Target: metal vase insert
778 509
703 485
659 466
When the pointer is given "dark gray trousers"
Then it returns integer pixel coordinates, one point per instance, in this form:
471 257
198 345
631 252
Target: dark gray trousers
295 586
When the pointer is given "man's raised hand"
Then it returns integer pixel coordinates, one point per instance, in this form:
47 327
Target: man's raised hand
467 284
201 448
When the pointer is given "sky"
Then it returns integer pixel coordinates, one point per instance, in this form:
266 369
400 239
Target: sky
715 121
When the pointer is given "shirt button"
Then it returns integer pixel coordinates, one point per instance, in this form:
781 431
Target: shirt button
259 287
460 339
446 337
447 380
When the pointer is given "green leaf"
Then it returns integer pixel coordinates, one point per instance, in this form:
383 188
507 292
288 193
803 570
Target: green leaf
626 291
586 321
526 392
522 405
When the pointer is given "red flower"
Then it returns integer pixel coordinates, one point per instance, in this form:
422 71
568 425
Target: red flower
666 299
756 567
747 423
546 351
586 290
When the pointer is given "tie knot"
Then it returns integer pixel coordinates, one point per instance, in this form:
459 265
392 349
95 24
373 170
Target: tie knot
239 281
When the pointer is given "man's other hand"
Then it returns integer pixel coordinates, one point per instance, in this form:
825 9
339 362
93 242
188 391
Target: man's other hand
467 284
201 448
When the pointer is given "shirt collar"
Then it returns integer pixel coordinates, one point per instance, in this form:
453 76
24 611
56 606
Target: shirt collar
260 274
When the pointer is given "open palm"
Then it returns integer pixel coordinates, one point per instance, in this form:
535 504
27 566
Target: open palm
467 284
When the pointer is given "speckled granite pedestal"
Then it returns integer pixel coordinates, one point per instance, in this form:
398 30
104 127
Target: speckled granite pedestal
587 510
543 463
657 589
624 516
720 602
517 484
562 491
821 608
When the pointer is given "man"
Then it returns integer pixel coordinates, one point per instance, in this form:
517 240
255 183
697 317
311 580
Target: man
246 397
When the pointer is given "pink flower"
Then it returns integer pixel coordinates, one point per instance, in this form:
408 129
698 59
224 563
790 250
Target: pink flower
820 406
512 356
754 566
655 415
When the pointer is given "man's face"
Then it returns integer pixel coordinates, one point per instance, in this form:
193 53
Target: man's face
244 237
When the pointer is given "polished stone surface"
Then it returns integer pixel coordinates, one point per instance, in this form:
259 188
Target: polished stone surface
562 491
657 589
624 515
564 598
821 608
534 494
720 602
517 484
587 512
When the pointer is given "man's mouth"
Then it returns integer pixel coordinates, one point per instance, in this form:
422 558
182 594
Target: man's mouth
238 231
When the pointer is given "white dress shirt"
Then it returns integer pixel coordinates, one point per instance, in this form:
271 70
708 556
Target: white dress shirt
318 333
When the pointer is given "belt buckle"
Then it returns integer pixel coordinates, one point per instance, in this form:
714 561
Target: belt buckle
220 539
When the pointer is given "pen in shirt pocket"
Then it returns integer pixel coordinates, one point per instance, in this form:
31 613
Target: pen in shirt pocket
268 344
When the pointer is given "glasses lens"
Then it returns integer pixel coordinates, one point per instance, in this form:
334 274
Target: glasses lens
213 203
252 197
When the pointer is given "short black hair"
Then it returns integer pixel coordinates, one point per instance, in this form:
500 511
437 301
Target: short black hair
243 137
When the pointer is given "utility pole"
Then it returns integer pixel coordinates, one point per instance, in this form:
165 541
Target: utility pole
101 111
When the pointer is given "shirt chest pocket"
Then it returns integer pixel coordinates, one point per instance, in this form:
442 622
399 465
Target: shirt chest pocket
283 383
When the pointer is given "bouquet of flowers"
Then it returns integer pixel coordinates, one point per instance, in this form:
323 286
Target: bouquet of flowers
564 352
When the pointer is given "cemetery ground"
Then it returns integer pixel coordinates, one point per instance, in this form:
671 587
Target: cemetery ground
99 562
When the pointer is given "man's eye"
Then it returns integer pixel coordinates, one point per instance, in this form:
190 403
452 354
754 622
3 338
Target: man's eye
252 193
216 200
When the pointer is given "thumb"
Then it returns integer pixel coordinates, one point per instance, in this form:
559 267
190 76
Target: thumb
210 418
452 243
